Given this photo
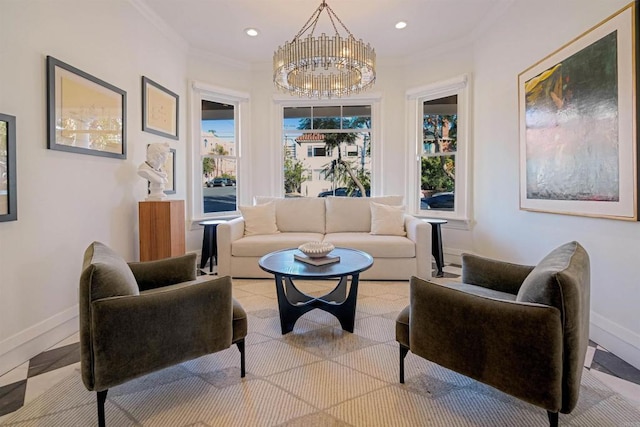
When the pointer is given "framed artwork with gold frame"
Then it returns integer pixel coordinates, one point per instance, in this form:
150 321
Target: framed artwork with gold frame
578 113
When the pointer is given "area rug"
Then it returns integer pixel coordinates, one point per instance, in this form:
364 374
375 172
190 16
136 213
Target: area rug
317 375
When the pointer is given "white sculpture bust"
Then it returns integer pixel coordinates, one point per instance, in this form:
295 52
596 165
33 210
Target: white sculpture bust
151 170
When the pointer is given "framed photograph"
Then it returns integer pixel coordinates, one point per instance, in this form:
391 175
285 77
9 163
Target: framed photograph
169 168
8 187
85 114
578 115
159 109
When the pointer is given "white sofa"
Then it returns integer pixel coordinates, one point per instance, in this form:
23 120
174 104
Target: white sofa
343 221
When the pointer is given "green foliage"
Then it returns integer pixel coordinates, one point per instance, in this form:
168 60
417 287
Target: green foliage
294 175
208 166
438 173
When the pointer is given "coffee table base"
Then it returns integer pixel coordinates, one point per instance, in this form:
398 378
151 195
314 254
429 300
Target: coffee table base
292 303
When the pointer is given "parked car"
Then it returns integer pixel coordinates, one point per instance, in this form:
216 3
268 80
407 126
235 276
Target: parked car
342 192
444 200
217 182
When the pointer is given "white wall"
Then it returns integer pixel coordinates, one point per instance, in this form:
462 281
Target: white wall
518 40
68 200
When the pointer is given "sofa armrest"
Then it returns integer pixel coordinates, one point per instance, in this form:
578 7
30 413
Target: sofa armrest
227 233
493 274
163 272
513 346
136 335
420 233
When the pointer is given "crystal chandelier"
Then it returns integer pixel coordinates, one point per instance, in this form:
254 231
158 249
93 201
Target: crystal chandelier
324 67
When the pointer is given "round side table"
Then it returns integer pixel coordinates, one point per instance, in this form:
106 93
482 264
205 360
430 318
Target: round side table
209 242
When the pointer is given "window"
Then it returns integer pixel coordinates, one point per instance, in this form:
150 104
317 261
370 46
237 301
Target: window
216 159
438 177
338 150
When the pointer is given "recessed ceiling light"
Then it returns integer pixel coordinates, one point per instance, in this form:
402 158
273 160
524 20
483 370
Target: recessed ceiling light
251 32
400 25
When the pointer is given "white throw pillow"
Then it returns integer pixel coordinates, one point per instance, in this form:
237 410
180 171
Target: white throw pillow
259 219
387 220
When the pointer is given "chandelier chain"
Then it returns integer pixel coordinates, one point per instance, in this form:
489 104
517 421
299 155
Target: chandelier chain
315 16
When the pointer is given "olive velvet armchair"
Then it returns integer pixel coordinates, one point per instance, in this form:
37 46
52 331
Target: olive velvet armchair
139 317
521 329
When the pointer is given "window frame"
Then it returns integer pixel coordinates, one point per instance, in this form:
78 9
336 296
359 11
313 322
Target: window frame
415 98
240 100
280 103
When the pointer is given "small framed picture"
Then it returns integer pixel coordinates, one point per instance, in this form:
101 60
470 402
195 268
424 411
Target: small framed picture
8 187
85 114
159 109
169 168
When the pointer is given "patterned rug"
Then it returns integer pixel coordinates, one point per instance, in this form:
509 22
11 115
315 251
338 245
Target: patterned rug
317 375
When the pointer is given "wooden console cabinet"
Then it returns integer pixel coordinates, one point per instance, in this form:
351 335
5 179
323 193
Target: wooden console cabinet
162 229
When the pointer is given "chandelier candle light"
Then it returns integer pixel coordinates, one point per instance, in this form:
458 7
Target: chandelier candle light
324 67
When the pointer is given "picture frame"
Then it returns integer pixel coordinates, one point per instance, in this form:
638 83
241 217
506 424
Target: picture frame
578 114
169 168
159 109
86 115
8 184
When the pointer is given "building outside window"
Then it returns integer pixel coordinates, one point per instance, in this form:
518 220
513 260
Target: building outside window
438 162
218 154
338 150
438 181
216 160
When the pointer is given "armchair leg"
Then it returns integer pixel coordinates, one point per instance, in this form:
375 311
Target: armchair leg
553 419
102 397
240 345
403 353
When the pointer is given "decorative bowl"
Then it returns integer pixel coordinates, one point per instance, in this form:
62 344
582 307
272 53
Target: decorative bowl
316 249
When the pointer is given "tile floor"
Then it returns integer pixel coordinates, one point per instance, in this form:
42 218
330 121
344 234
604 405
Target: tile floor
31 379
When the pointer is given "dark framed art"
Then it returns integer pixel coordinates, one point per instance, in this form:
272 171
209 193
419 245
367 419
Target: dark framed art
85 114
8 185
159 109
578 124
170 168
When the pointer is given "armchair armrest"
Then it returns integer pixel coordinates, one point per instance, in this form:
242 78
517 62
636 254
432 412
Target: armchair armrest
163 272
420 233
493 274
515 347
136 335
228 233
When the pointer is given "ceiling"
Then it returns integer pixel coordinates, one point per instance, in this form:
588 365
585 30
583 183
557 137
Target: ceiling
217 26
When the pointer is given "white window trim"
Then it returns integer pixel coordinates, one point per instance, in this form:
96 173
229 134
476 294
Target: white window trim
460 86
241 101
280 103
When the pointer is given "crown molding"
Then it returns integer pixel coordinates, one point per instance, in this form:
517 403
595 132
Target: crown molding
219 59
160 24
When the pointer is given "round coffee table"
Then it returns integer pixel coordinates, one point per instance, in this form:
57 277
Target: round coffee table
292 303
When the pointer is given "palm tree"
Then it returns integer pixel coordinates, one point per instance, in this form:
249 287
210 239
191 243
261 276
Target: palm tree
340 171
219 150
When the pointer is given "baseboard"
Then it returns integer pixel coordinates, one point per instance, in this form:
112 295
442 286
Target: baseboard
616 338
26 344
452 256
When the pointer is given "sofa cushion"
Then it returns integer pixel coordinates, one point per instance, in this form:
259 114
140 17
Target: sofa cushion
299 214
259 219
542 284
353 214
377 246
111 275
257 246
386 219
